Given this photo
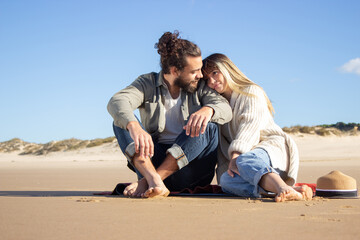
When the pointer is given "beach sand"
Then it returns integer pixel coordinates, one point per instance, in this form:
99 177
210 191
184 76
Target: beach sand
51 197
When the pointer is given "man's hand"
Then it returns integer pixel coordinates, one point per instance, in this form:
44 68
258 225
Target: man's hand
143 141
198 121
232 169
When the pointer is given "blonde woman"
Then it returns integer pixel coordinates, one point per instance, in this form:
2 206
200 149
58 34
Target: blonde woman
255 156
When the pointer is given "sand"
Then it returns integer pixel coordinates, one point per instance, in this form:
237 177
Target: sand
51 197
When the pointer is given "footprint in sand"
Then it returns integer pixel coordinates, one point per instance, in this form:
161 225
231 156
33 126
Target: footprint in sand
347 206
88 200
318 218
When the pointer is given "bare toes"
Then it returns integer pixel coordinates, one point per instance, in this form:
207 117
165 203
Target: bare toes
126 192
156 192
307 192
148 193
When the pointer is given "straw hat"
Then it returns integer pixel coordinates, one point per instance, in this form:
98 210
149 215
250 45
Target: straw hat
336 185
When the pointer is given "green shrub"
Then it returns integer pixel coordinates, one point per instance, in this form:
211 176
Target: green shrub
306 129
100 141
342 126
322 132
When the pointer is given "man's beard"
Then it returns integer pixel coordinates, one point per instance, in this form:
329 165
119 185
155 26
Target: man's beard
182 83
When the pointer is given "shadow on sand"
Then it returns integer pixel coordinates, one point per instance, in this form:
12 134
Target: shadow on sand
46 193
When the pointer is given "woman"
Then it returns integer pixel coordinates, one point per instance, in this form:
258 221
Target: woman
254 153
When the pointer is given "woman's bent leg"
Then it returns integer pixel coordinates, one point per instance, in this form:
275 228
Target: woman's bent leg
252 167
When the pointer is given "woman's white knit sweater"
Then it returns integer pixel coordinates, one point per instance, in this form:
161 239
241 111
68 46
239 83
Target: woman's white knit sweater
252 127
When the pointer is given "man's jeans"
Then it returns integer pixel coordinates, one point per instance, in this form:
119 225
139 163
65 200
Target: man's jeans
252 166
196 157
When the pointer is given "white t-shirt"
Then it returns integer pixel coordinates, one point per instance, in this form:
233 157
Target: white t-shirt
174 121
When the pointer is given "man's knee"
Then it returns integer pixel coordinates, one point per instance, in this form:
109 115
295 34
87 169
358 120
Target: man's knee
213 129
117 130
125 142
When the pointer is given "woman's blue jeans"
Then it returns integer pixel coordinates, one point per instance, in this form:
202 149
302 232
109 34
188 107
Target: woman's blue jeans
252 166
196 156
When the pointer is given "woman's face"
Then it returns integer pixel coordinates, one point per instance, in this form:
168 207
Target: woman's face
216 81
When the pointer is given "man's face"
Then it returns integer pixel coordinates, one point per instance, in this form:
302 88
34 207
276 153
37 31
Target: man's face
191 74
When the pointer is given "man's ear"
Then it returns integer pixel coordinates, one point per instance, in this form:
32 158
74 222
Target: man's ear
174 71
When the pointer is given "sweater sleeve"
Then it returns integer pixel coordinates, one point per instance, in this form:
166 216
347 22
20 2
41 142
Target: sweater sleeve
249 113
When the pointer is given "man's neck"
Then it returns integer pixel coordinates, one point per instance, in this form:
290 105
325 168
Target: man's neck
170 82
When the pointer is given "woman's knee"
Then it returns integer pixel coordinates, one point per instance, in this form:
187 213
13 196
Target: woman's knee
254 157
225 180
236 185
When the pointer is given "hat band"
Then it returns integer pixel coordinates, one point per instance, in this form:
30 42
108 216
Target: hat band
336 193
334 190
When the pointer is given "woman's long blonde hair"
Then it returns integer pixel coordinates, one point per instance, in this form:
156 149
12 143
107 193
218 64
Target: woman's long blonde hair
236 80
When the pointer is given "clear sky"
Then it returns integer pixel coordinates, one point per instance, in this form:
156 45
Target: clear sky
61 61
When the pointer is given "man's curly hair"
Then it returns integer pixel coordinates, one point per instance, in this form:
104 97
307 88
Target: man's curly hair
173 51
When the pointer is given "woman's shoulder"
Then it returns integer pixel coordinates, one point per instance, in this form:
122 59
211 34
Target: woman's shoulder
251 92
248 91
253 89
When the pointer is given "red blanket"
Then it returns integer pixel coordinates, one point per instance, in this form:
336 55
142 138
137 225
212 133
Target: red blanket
208 190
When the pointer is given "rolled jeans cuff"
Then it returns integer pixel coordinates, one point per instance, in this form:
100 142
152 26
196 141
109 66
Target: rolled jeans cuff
257 178
179 155
130 152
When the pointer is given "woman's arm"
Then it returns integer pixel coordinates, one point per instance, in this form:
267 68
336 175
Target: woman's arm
250 114
232 169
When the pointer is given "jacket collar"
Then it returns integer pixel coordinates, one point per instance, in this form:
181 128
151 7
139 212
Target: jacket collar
160 80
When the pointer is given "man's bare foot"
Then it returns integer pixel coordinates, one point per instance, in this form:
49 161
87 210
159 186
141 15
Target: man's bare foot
153 177
156 192
156 188
288 193
136 189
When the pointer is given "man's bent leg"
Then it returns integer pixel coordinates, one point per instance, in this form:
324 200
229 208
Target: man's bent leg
196 158
151 184
156 186
126 144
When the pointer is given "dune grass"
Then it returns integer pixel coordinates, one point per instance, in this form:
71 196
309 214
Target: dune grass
72 144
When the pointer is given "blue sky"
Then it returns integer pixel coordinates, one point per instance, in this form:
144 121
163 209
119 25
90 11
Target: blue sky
61 61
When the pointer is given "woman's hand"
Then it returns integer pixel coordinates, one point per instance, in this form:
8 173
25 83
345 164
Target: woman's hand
198 121
142 140
232 169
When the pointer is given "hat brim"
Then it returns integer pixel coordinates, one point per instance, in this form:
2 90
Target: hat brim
334 194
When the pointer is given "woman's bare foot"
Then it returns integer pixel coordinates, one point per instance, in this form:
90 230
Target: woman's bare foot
306 191
287 193
136 189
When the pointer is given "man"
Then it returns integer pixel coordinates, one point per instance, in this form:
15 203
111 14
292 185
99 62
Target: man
175 145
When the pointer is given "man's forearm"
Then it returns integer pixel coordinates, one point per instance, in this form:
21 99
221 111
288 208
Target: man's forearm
210 110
